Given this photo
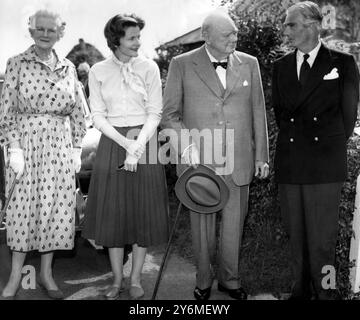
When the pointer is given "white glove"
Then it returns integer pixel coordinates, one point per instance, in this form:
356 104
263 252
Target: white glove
76 157
17 161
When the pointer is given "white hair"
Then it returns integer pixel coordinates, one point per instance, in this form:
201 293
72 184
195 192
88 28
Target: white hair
48 14
212 18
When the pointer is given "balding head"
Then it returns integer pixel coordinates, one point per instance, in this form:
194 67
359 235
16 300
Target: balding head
220 34
216 19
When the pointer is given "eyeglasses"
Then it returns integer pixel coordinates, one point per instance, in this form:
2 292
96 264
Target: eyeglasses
45 30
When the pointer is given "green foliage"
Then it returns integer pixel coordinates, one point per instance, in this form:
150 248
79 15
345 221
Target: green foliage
347 12
347 16
264 11
165 54
263 41
345 220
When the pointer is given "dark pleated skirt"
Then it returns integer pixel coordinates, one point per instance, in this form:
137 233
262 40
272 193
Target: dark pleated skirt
125 207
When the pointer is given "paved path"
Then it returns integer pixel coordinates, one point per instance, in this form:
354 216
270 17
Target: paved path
85 274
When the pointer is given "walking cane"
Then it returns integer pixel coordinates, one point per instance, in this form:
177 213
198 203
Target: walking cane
3 211
166 252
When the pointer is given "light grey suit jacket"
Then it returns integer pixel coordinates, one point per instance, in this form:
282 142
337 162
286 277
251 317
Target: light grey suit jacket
195 99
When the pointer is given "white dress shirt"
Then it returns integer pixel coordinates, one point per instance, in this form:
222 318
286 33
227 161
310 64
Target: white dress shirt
113 99
300 58
221 72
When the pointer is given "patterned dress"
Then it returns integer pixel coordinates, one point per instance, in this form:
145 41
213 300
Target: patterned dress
43 110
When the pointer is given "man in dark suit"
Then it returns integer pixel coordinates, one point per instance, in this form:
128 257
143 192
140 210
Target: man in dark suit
315 98
217 89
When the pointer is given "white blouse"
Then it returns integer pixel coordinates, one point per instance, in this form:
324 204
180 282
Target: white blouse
114 99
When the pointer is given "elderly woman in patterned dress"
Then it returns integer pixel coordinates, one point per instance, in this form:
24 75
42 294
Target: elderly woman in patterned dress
42 125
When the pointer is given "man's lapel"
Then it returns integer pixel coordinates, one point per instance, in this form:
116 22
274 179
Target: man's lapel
206 71
233 73
288 79
320 67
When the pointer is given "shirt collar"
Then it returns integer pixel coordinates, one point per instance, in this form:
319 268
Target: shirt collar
30 55
312 54
212 58
120 63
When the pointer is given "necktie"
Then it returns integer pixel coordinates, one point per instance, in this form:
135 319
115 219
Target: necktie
221 64
304 70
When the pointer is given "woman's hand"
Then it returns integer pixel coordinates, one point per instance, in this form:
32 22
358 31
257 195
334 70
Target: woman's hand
130 163
135 149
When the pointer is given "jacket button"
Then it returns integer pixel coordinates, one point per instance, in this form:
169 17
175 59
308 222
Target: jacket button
292 120
315 119
316 139
291 140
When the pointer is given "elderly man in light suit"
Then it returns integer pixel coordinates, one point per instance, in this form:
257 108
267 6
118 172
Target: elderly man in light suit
217 88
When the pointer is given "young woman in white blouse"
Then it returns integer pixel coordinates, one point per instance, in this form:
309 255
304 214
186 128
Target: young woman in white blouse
127 201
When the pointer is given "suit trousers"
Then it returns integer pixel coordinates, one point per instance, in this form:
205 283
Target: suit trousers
310 214
203 229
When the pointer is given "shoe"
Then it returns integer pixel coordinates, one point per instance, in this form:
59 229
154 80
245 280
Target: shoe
136 292
13 297
238 294
202 294
113 292
52 294
2 298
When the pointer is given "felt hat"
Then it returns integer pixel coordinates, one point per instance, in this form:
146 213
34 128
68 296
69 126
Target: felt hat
201 190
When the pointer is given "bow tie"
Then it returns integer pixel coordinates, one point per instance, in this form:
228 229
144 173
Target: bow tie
221 64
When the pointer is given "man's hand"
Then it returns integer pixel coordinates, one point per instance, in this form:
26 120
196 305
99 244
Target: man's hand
130 163
261 169
191 156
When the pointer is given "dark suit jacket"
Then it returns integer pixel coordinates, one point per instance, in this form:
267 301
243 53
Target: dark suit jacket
316 121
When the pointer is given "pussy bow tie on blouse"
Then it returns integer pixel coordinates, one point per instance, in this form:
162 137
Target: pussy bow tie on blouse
132 79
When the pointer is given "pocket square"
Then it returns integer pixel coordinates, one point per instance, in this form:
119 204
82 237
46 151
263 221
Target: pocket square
245 83
332 75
